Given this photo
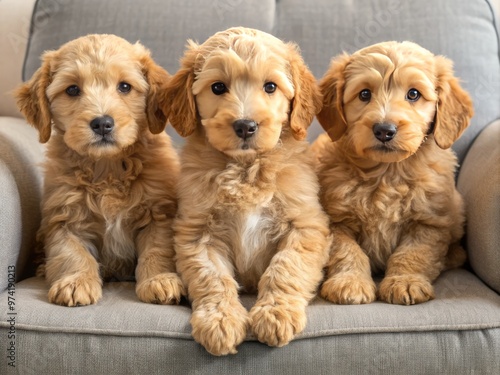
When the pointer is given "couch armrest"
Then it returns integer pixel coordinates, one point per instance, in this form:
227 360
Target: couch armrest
479 183
15 21
20 194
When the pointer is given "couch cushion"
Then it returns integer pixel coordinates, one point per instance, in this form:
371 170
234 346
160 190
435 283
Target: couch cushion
465 315
463 30
163 26
479 183
14 21
463 302
408 353
21 190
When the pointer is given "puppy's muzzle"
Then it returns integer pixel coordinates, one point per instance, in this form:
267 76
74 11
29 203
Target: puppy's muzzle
384 131
245 128
102 125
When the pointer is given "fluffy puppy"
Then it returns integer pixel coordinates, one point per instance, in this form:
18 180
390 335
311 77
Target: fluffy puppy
249 215
109 193
387 180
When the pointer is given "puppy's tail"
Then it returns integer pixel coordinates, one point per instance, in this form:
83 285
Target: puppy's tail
456 257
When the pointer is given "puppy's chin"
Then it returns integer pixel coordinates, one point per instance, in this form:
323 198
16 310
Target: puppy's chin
243 153
98 148
385 154
240 149
248 150
103 150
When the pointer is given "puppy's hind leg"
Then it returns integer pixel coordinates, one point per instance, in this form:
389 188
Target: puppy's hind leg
157 279
456 256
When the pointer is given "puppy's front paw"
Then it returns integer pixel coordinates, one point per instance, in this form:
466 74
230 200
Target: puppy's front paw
276 325
77 290
164 289
349 289
221 327
405 289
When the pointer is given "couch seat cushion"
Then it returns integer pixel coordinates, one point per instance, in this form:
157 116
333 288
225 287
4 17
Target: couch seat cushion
462 302
456 333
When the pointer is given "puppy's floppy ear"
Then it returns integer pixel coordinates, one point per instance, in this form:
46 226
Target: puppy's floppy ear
454 108
179 103
157 77
307 99
32 99
332 117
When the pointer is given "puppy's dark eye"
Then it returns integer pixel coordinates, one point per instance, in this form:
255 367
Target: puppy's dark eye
365 95
270 87
219 88
124 87
73 90
413 95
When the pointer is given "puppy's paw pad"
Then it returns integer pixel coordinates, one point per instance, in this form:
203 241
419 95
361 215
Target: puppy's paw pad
405 289
221 327
277 325
349 289
164 289
76 291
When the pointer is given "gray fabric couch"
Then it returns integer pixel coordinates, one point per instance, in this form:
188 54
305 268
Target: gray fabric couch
457 333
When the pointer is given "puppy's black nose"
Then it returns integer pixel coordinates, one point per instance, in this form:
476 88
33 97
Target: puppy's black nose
102 125
244 128
384 131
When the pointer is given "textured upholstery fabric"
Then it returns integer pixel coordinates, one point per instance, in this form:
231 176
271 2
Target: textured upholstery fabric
20 194
479 183
409 353
449 353
463 303
10 222
163 26
322 29
464 307
326 28
15 18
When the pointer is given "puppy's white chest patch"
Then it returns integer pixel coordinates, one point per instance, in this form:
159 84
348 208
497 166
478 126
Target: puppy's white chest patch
252 227
253 238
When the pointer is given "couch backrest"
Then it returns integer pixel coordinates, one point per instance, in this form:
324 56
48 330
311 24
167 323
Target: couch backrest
463 30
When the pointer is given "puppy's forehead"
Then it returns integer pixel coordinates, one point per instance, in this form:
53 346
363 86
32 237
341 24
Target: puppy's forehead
244 54
98 55
392 55
386 59
248 45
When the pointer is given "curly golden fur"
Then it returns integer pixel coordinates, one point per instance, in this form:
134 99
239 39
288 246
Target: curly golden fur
109 194
387 181
249 215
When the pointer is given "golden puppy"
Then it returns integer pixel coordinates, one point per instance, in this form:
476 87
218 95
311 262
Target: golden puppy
109 194
249 216
387 180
